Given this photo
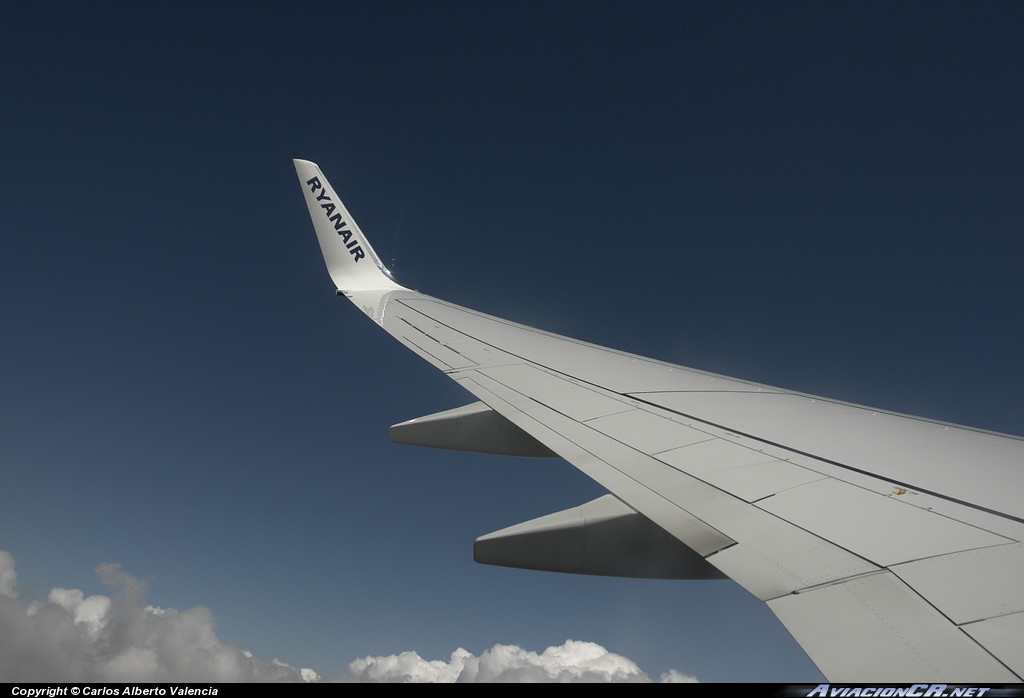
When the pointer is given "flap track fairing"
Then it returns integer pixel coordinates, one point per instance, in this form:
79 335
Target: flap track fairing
474 427
603 537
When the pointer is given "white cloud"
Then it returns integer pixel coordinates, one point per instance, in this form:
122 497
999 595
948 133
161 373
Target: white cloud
73 637
572 662
7 574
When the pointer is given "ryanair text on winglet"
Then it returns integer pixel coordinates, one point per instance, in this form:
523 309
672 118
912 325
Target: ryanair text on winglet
339 223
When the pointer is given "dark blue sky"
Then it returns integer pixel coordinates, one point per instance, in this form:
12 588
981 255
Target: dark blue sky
821 196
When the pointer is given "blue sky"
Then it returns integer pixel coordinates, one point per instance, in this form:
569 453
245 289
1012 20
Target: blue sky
821 196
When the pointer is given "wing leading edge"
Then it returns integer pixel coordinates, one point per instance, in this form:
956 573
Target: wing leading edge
890 546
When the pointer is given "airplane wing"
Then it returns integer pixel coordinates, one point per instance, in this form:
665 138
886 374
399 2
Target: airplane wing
890 546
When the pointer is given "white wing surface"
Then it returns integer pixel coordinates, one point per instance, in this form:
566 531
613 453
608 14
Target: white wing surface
890 546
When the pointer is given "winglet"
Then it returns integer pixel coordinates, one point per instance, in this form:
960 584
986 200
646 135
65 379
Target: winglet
351 262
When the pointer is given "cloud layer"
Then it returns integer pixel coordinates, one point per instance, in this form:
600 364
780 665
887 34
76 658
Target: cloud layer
73 637
572 662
